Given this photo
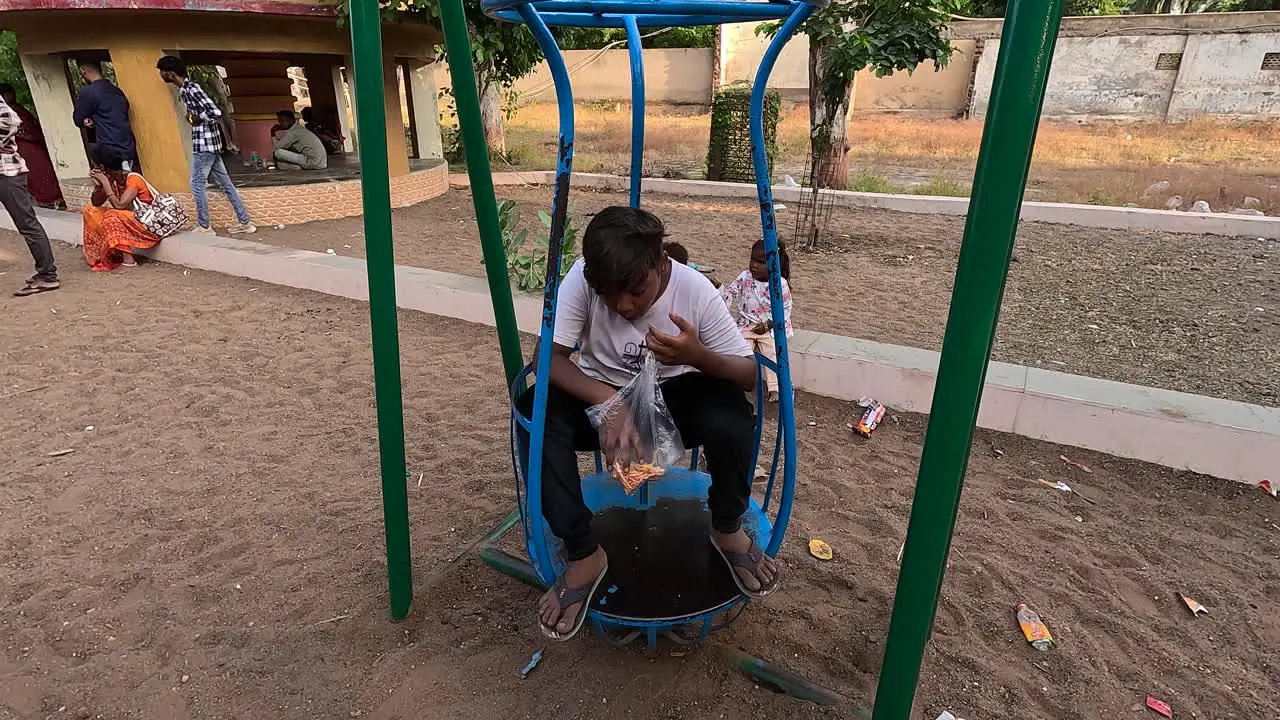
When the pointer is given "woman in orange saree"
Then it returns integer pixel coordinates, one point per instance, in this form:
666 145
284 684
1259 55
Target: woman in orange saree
111 230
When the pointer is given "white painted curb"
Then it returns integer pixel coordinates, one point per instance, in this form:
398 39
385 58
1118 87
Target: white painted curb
1116 218
1217 437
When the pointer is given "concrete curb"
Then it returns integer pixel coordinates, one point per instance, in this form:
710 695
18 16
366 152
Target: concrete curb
1224 438
1115 218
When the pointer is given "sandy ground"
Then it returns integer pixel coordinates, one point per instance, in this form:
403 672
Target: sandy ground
212 547
1195 313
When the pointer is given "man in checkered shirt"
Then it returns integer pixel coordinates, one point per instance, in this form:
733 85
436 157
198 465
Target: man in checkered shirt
206 147
16 200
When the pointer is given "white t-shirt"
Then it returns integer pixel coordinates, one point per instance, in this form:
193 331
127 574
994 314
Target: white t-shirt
611 345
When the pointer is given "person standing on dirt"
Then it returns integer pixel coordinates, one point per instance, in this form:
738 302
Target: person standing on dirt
207 147
104 109
17 202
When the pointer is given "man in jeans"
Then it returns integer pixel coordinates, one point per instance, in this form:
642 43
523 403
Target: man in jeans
17 201
206 147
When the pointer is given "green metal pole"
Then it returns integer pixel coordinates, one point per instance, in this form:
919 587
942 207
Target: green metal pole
375 185
1022 69
467 100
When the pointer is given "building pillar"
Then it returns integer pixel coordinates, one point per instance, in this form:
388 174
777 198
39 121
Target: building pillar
320 85
397 152
261 88
346 118
47 76
153 118
426 111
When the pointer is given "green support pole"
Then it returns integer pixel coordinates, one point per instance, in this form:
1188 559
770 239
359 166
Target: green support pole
467 100
375 185
1022 69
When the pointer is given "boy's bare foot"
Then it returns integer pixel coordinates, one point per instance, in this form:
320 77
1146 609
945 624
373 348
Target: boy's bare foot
760 576
581 574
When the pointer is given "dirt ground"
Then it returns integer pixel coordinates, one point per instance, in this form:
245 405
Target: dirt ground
1195 313
212 547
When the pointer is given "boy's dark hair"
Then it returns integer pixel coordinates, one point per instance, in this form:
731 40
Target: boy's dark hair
286 115
88 64
676 252
620 246
784 260
7 89
172 64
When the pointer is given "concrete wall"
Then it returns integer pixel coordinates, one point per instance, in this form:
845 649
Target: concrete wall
742 50
1219 71
1108 77
1222 75
684 76
1116 77
676 76
1104 67
943 92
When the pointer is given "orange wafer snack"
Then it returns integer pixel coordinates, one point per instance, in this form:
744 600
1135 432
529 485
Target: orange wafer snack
636 474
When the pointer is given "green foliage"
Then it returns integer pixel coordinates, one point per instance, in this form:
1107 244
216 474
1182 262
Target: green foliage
451 145
11 67
867 181
502 52
1098 196
997 8
941 186
526 264
884 35
729 150
595 38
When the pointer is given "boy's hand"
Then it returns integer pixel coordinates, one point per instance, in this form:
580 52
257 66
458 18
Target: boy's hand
620 440
683 349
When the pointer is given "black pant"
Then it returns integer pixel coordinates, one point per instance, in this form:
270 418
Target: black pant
17 200
709 413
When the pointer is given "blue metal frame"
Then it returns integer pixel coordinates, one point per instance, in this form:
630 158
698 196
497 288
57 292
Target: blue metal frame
633 15
637 107
646 13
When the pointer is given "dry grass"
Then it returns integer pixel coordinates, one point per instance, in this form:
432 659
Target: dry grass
1102 162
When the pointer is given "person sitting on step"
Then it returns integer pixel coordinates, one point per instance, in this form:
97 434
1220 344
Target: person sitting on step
295 146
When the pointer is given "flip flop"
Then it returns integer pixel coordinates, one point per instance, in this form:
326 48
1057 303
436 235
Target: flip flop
567 596
34 287
749 561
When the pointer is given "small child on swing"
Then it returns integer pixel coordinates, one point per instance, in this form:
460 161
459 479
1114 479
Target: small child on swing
748 300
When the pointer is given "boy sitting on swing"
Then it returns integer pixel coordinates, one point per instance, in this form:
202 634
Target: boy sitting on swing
625 296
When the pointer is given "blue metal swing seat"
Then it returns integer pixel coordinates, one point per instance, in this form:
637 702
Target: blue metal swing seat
661 581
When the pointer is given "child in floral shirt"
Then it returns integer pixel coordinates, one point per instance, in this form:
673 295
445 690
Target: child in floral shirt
749 304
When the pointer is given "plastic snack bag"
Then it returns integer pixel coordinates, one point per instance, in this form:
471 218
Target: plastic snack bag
636 429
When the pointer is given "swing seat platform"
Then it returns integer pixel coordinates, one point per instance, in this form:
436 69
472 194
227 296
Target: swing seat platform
663 570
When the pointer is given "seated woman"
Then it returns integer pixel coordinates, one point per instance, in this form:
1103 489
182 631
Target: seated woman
111 229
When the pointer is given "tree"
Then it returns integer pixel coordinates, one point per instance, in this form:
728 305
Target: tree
502 53
574 38
11 67
847 37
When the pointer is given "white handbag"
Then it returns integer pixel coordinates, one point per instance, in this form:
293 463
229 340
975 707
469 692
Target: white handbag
163 216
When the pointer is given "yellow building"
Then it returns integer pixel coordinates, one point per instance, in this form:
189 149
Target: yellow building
253 43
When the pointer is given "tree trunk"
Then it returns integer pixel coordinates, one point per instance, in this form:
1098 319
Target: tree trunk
828 125
495 137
